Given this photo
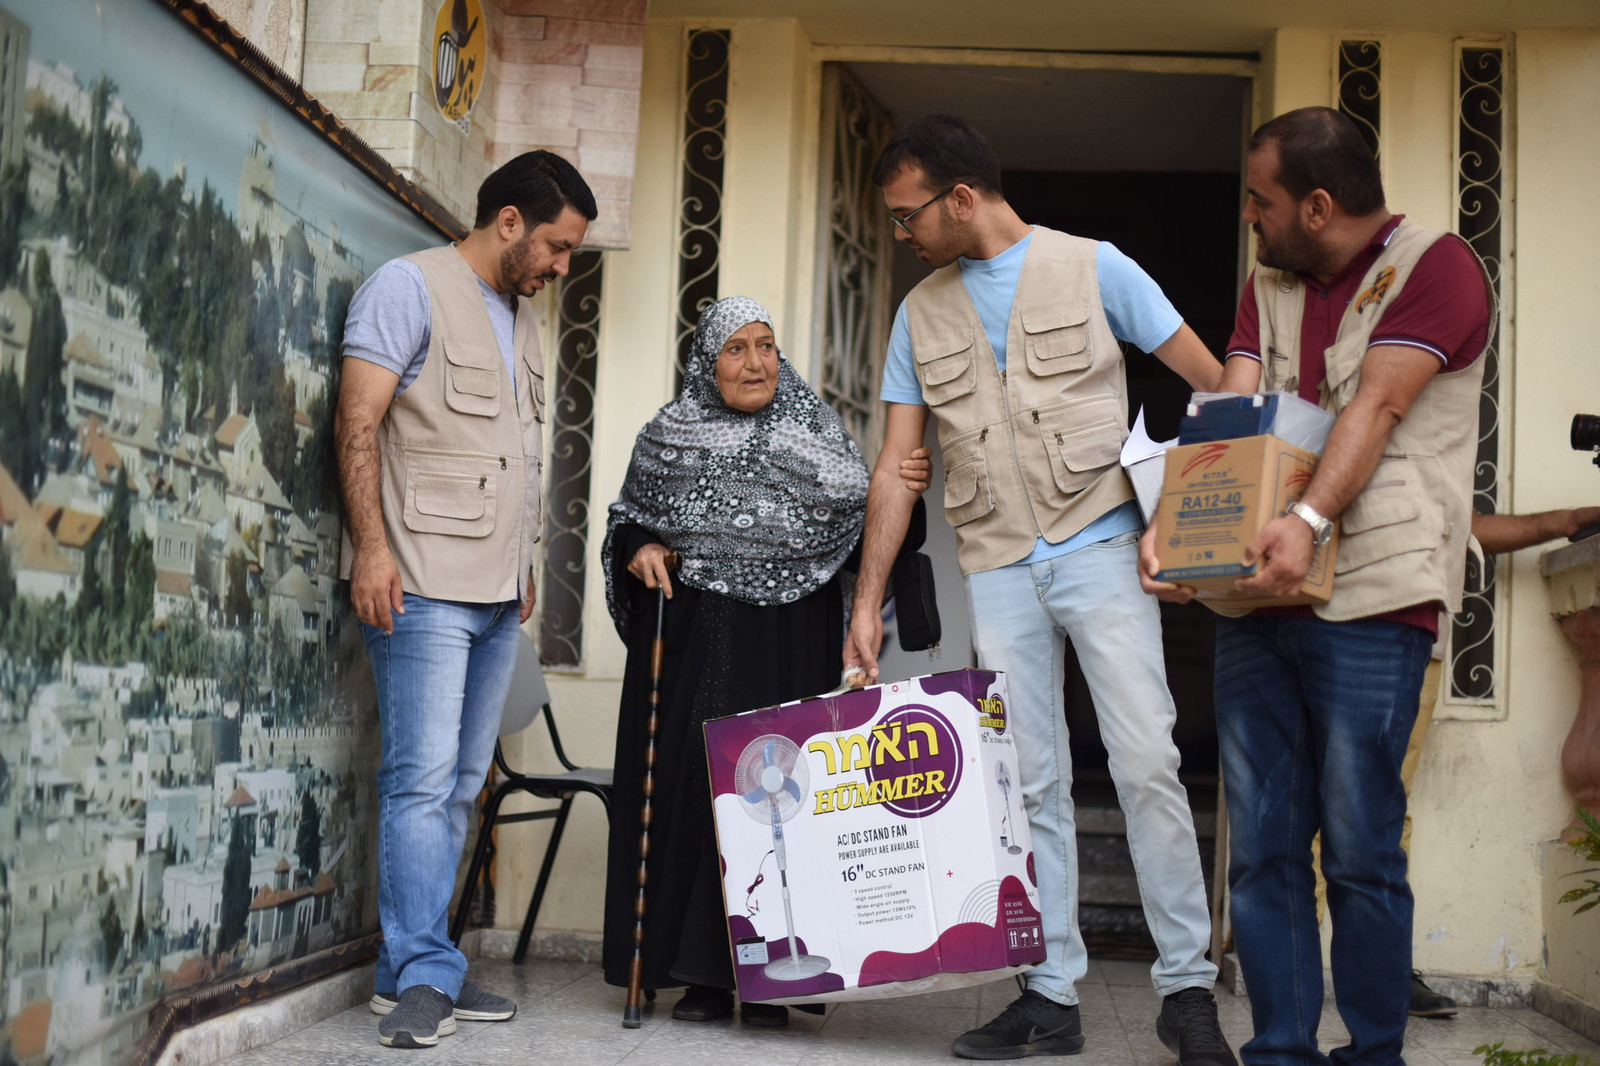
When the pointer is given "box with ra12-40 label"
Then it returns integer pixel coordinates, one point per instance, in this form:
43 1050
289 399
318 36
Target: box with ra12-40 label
1215 497
874 843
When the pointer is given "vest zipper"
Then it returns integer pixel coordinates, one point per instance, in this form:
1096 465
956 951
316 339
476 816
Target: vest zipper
1016 460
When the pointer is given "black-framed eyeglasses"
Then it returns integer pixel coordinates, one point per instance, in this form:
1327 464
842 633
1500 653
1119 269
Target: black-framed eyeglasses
904 221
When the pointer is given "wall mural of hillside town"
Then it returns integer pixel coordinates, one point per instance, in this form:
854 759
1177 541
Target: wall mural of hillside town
187 740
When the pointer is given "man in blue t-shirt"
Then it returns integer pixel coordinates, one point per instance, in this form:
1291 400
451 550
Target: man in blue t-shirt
1013 344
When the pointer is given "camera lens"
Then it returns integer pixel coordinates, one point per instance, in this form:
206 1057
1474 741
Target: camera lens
1585 433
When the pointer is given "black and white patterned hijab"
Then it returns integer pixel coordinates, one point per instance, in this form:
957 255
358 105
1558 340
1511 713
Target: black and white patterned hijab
761 506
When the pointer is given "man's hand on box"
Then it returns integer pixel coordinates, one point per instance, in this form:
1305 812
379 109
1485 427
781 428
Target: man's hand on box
862 643
1284 550
1150 566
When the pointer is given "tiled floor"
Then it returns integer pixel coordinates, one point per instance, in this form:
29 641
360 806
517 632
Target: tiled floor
569 1017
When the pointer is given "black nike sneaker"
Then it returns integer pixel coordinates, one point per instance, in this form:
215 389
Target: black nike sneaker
1031 1025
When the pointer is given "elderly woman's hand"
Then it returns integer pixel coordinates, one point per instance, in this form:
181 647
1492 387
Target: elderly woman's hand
917 471
651 564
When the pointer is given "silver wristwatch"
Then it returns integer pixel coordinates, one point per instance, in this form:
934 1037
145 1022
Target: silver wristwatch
1321 528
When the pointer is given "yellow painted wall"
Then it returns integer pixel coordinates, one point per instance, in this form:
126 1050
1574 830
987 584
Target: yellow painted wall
1556 374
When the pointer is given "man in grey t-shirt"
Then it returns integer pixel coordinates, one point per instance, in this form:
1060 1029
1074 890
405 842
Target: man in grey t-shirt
442 666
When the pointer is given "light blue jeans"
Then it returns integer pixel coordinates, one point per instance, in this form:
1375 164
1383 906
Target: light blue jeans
1021 616
441 678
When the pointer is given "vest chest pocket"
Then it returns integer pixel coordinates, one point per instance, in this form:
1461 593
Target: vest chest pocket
945 367
1080 444
472 378
1056 337
457 504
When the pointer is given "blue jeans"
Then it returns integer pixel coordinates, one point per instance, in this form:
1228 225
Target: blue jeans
1313 719
1021 616
441 678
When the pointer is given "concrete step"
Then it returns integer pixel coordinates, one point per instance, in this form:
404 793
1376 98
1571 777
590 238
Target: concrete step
1109 905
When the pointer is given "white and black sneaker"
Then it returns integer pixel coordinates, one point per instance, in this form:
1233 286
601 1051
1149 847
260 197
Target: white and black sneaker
1031 1025
421 1016
472 1005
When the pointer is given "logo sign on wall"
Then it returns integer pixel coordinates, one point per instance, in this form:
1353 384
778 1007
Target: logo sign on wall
459 58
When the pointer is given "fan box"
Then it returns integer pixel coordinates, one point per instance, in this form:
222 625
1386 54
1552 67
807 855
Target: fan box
903 838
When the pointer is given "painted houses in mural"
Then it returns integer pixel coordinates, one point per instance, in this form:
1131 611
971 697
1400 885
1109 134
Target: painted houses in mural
182 791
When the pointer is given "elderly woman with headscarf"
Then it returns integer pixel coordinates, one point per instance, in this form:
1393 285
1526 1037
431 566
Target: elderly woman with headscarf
754 483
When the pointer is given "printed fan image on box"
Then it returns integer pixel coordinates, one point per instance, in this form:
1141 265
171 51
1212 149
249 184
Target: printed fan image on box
874 843
765 778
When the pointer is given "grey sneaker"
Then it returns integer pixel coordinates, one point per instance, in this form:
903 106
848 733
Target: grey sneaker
472 1005
422 1015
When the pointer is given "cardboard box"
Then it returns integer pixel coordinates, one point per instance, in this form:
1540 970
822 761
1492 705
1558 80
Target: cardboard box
900 861
1215 498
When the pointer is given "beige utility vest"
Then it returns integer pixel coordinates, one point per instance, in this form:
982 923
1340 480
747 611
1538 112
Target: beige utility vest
462 449
1032 452
1403 539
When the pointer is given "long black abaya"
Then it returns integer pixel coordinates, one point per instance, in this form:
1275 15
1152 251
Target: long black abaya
723 656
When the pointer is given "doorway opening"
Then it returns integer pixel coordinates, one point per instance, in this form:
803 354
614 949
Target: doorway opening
1150 161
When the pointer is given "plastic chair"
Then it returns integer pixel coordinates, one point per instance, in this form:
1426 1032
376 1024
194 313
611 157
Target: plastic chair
528 699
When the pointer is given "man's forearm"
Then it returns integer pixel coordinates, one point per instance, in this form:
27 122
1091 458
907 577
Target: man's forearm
360 480
1354 447
1509 532
889 505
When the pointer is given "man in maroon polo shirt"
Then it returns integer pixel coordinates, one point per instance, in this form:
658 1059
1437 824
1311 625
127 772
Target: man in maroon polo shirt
1383 323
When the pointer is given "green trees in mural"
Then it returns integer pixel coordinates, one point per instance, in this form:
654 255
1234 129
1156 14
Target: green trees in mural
13 208
112 612
217 330
236 882
308 837
39 413
16 440
111 933
8 584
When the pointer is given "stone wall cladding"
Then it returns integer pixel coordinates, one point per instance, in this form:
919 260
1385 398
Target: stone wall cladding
563 75
568 77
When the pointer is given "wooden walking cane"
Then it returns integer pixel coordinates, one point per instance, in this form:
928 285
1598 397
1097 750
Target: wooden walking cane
630 1013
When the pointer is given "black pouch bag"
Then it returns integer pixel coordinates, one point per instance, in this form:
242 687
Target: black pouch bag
915 606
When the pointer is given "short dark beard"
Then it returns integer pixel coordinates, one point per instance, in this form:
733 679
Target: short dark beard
1297 254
